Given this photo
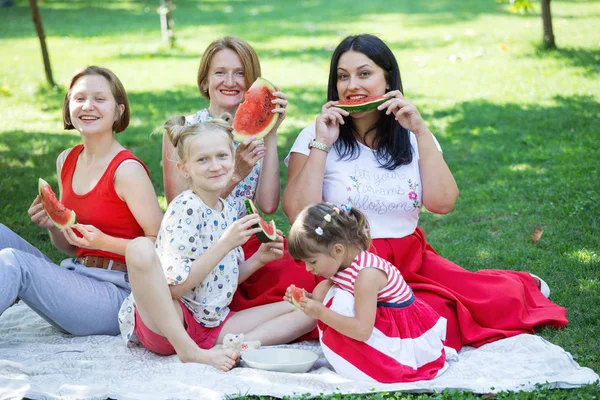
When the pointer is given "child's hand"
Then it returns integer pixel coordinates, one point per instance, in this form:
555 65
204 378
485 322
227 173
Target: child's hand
240 231
271 251
311 308
288 294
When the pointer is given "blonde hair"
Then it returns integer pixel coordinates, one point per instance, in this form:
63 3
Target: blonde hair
320 226
116 87
245 52
179 132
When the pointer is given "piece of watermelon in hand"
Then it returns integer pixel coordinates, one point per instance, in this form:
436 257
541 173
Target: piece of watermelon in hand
269 230
297 295
60 215
255 116
361 105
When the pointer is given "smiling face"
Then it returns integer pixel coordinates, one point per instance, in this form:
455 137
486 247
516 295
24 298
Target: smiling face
209 162
92 106
225 82
358 77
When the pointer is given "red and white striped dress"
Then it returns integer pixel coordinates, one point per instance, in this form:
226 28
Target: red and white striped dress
407 343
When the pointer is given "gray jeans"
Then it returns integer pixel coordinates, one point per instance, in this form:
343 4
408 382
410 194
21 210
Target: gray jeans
72 297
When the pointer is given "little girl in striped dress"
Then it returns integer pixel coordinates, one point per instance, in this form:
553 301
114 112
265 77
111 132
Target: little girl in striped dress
371 325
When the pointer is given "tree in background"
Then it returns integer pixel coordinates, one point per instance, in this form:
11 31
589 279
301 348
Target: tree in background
525 5
37 21
166 22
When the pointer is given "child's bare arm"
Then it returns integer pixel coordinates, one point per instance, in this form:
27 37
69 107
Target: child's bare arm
237 234
321 290
368 283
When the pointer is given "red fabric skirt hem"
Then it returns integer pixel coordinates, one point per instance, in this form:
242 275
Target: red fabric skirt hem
480 307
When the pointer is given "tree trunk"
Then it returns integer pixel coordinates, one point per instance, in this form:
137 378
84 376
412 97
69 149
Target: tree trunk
37 21
547 21
166 22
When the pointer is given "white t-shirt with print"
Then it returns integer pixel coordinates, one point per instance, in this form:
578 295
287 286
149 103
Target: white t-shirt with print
188 229
391 200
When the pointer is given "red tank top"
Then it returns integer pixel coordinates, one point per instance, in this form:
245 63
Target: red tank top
101 207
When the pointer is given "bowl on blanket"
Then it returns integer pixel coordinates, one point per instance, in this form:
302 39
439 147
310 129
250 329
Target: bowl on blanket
282 360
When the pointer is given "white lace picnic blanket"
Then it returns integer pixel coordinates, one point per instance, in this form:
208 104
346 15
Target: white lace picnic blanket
38 362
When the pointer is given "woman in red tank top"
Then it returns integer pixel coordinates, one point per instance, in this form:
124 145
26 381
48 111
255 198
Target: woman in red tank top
110 191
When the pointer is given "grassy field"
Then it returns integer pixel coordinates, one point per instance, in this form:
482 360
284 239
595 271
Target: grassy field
519 126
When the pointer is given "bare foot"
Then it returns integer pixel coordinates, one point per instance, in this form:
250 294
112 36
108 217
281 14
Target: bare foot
221 359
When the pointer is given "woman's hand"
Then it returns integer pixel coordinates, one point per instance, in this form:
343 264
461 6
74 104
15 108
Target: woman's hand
38 214
328 123
271 251
240 231
92 237
405 112
247 155
281 104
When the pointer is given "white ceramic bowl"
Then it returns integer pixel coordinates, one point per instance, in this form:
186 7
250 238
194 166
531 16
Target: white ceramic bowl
282 360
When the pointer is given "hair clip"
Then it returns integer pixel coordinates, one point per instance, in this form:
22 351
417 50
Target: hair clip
336 210
327 217
319 231
346 207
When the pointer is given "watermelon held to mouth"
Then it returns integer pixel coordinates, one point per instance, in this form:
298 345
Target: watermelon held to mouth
269 230
361 105
297 295
255 116
60 215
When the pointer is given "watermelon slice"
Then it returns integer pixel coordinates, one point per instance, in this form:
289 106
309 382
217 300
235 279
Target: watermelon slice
297 295
361 105
269 231
255 116
60 215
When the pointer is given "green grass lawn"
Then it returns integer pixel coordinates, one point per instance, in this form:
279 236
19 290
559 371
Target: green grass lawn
519 126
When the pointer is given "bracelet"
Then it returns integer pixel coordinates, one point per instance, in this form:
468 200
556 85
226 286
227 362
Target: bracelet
318 145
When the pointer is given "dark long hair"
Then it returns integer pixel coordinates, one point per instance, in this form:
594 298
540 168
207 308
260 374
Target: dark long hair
392 142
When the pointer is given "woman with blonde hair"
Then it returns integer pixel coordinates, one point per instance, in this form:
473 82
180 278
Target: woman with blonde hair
227 69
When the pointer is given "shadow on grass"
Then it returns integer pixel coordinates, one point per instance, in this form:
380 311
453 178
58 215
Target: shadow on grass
505 149
253 20
25 157
587 59
519 168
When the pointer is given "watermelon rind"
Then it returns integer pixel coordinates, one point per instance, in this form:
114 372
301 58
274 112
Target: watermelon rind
263 236
243 118
368 105
42 184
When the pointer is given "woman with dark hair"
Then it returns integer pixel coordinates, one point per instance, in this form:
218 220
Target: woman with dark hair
387 163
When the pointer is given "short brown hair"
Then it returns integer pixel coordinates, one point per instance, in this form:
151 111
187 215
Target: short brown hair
245 52
116 88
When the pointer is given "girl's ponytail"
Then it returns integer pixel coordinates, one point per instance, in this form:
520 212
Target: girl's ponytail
363 235
175 127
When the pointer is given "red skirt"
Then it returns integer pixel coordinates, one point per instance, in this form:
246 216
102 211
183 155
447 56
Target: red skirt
268 284
480 307
407 343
